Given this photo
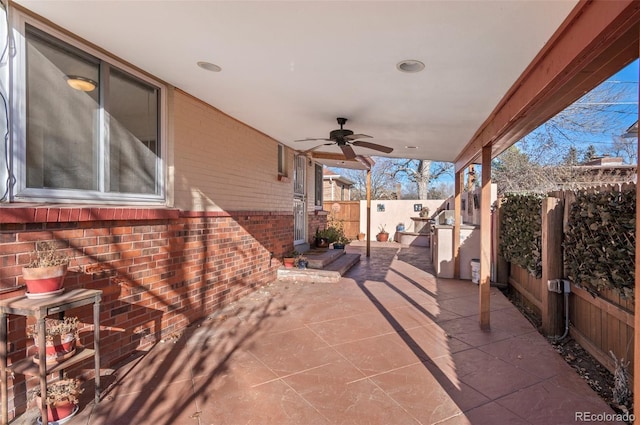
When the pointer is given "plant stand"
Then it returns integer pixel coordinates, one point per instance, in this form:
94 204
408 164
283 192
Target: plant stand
40 309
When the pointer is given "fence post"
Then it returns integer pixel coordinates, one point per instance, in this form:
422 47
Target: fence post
552 265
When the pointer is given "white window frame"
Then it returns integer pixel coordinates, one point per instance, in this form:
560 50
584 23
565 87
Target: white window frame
17 77
282 160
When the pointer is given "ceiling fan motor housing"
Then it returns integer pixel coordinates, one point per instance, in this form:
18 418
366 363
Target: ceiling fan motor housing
339 135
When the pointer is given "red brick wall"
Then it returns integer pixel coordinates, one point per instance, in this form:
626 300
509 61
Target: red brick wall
316 220
158 274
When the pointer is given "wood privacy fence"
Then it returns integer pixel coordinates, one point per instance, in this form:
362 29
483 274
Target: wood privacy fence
601 324
348 212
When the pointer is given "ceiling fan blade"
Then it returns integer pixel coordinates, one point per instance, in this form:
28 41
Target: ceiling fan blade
315 147
348 151
373 146
357 136
309 139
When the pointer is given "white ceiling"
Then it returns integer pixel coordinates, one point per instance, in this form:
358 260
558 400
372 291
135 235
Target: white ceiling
289 68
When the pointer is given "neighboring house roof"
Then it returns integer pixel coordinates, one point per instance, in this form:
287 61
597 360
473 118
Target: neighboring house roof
328 174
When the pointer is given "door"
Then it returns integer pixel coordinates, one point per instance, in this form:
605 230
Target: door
299 200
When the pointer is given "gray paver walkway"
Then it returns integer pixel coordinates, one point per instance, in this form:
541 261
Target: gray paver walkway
388 344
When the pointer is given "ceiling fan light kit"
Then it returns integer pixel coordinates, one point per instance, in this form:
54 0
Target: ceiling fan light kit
345 138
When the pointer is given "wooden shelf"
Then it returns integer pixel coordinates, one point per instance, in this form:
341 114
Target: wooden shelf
40 309
30 368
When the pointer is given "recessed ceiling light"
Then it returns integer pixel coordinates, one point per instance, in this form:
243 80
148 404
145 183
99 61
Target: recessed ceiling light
410 66
209 66
411 147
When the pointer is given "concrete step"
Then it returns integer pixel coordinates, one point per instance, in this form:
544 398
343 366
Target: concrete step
331 273
320 258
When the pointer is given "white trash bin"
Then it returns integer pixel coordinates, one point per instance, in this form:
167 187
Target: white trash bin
475 271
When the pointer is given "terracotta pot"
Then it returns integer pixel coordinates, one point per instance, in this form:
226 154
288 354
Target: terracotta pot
361 236
60 349
382 237
58 411
288 262
322 243
42 280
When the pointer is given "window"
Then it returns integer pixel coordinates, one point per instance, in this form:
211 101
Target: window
282 160
319 186
90 129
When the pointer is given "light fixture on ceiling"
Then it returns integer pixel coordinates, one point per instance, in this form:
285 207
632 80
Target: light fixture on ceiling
209 66
411 147
81 83
410 66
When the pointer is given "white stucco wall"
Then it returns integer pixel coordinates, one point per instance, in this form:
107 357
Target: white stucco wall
395 212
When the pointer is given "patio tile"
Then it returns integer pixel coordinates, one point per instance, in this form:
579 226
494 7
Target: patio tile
379 354
340 393
493 413
418 392
467 329
530 352
555 401
489 375
434 342
163 404
291 352
353 328
271 403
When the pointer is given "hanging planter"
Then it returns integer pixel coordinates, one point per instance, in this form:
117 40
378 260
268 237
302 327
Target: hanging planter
44 275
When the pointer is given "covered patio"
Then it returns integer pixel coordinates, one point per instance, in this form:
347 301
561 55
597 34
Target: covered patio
389 343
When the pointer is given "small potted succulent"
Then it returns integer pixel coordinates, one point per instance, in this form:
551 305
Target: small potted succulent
341 242
383 235
61 399
289 259
44 275
60 337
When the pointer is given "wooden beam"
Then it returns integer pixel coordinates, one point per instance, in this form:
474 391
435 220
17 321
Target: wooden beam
636 330
457 211
369 213
551 302
332 156
598 38
485 239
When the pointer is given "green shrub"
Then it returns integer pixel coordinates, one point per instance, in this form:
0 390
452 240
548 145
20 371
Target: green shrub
521 231
600 241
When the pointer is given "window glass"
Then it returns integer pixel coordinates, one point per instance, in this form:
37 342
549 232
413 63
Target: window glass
132 112
62 122
92 130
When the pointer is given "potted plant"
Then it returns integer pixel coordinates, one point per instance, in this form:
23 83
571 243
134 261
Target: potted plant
61 399
60 338
289 259
383 235
321 239
44 275
302 262
424 212
341 242
361 236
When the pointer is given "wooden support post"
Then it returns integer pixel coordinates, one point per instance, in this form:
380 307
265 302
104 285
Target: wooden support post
368 212
457 211
636 319
552 302
485 239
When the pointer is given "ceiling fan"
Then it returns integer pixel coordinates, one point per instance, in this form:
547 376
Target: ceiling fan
345 139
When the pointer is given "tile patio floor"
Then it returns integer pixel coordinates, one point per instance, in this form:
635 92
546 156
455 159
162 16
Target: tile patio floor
388 344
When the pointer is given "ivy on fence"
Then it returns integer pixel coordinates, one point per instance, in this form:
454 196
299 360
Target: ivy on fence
600 240
521 231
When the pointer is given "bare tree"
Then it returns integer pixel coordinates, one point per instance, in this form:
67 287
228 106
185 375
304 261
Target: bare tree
550 156
422 172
